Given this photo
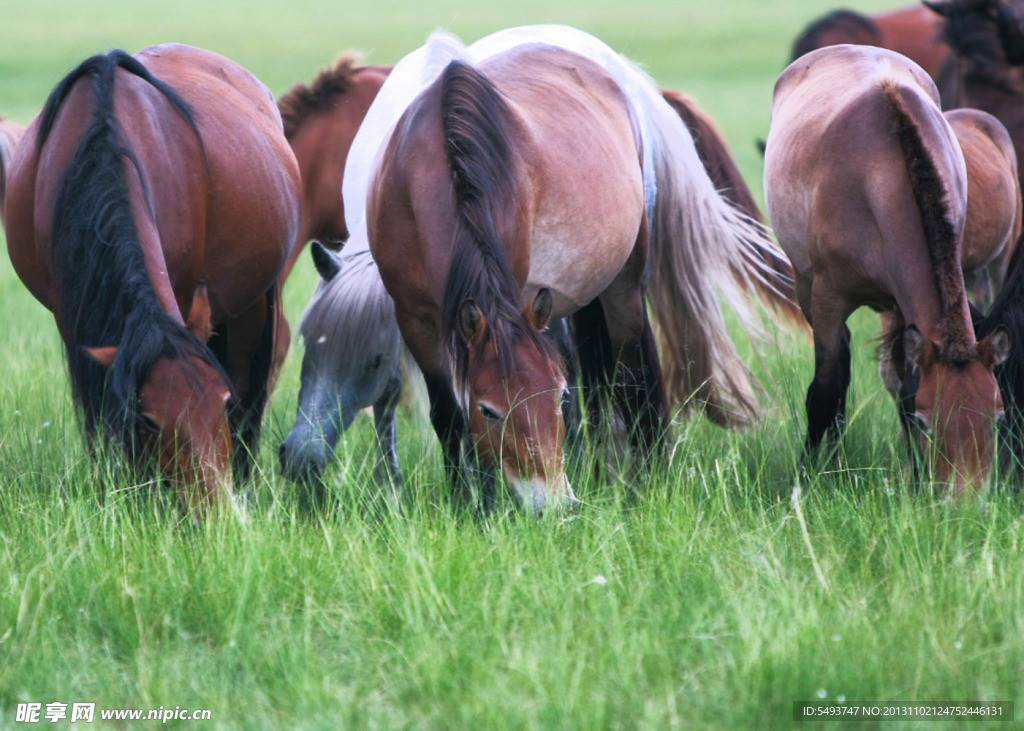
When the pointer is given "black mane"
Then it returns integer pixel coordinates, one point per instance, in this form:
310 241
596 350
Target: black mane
103 289
980 32
483 168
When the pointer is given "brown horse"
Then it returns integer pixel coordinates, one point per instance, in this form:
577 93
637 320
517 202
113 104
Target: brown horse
993 225
485 197
866 188
10 133
149 187
914 31
320 121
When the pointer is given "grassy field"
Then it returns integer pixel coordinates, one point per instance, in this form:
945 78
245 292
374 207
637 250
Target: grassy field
709 602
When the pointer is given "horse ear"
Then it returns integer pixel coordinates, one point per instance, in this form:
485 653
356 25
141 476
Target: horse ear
200 315
472 323
995 348
326 263
539 311
942 8
104 356
918 348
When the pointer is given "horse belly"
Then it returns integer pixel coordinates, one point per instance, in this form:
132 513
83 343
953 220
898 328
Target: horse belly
575 266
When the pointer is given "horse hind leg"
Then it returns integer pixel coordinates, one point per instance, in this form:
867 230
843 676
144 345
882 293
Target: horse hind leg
638 384
826 396
245 348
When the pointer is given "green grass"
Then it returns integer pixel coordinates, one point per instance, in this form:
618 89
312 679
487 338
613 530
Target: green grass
697 605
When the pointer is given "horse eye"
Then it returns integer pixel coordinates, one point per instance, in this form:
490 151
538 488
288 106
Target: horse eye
490 413
148 424
921 424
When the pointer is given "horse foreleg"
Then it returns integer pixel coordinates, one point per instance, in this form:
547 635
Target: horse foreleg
388 474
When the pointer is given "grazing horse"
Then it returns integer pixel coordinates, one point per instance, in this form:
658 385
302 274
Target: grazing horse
354 356
10 133
866 188
150 207
483 233
914 32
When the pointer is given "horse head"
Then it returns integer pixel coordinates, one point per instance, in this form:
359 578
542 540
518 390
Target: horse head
956 406
514 409
180 415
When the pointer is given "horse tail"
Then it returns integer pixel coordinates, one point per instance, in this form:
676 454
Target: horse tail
759 260
930 194
106 296
696 236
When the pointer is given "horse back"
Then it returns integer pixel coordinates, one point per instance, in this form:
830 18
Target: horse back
219 206
915 32
838 180
586 229
239 179
550 228
993 222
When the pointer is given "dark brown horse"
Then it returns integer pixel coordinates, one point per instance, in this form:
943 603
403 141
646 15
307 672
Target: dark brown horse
866 188
10 133
150 207
913 31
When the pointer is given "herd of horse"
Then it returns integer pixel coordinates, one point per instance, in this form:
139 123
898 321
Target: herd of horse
536 276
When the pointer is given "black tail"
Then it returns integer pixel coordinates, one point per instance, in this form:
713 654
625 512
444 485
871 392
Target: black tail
104 292
101 68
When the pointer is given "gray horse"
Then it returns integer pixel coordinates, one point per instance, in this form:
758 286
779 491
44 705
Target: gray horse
353 360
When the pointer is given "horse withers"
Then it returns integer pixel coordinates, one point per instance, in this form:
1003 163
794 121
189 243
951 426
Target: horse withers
151 206
866 187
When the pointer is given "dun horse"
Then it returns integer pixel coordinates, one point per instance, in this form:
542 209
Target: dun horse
483 233
866 188
150 207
